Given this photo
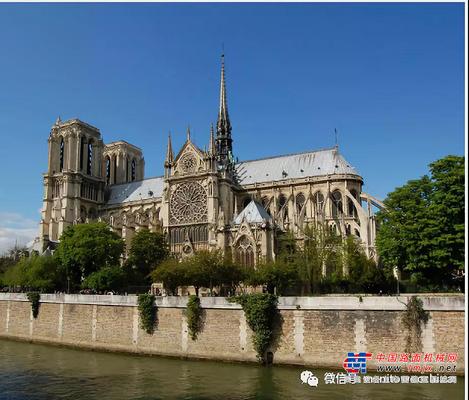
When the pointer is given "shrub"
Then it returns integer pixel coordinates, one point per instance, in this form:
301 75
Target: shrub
193 315
34 298
105 279
147 310
412 319
260 310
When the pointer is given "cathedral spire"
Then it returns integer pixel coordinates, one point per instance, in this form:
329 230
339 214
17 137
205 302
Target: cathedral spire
223 117
211 146
169 151
188 133
224 141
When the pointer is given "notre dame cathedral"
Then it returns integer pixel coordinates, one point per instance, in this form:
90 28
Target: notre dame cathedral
206 198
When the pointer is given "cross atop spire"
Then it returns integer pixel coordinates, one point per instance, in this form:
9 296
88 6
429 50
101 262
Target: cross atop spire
224 141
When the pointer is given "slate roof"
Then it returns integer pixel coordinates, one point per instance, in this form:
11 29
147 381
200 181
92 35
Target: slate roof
300 165
292 166
253 213
139 190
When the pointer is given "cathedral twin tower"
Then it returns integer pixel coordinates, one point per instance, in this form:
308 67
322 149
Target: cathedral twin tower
205 200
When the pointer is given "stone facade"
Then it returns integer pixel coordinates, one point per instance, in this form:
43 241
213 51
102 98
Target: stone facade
206 198
310 331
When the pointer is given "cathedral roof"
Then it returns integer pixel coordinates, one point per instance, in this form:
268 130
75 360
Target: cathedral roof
134 191
293 166
253 213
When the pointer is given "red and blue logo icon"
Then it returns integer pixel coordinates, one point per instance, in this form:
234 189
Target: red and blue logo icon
356 362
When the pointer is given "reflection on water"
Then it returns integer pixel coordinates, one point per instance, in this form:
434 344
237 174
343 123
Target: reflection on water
31 371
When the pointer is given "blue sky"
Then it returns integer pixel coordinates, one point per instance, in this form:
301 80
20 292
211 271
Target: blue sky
389 77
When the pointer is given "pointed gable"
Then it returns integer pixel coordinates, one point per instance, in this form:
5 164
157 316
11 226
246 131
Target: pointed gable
253 213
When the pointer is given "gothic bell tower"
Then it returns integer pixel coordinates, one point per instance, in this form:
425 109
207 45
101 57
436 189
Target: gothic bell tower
73 183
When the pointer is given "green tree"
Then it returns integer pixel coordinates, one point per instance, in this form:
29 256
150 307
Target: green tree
147 250
9 259
364 276
85 248
230 275
321 251
106 279
36 272
422 228
278 276
171 273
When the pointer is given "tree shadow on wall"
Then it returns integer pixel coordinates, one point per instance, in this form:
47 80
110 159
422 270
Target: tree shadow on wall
277 330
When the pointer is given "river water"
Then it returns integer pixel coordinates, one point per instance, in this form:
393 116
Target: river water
32 371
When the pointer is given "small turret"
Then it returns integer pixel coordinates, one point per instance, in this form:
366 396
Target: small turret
169 153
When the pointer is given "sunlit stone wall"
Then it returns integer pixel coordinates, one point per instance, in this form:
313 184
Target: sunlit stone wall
316 331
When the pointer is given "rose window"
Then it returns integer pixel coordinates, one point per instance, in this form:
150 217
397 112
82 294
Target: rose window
188 203
188 163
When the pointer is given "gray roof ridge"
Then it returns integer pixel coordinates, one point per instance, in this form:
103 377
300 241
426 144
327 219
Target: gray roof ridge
140 180
288 155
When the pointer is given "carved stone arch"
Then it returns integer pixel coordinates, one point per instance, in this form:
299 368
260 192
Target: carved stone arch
337 203
319 204
83 214
282 201
300 208
62 152
266 202
187 247
245 201
92 214
210 188
362 216
245 251
351 209
189 160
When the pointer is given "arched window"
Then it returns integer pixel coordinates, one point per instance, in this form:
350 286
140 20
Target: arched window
108 170
82 214
352 211
56 189
133 170
266 204
300 202
62 154
89 160
282 200
244 254
318 200
126 169
82 151
337 208
347 230
114 169
92 214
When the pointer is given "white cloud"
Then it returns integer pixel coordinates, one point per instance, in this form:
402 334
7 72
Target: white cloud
14 228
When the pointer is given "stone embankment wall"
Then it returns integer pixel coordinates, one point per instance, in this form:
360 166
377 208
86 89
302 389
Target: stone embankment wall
316 331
